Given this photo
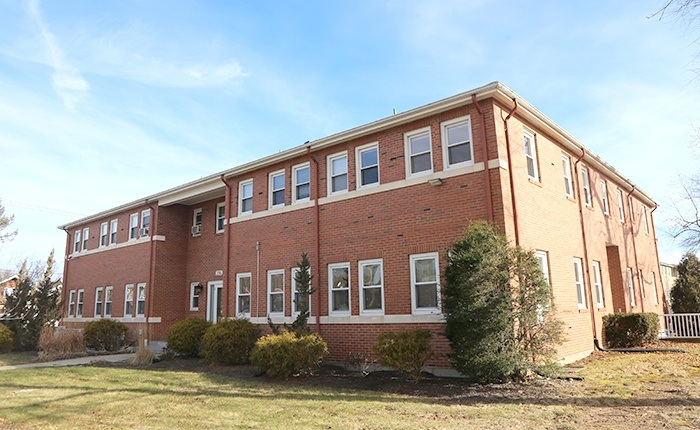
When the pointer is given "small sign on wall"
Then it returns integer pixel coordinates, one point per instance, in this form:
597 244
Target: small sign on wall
219 273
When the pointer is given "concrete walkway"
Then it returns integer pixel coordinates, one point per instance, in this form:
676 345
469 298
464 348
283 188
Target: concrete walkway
71 361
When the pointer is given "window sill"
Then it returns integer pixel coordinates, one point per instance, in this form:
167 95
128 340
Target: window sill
534 182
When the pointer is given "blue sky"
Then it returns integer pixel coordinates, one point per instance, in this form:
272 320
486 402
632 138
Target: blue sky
102 103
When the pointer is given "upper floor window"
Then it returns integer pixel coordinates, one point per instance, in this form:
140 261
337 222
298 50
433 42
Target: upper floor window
113 227
367 161
543 263
371 287
103 234
301 183
621 205
76 241
220 217
145 222
86 236
568 184
631 203
457 142
197 222
604 197
133 226
586 183
531 156
646 221
337 173
578 278
419 153
425 283
277 181
245 197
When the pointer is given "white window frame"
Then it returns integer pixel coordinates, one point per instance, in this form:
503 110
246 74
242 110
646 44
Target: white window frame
220 217
586 184
127 288
296 184
332 175
598 283
194 296
646 221
640 277
295 311
271 180
414 299
103 235
620 205
374 146
270 293
630 202
653 285
568 181
71 303
141 286
99 291
146 214
579 283
242 198
543 258
630 287
133 226
77 241
86 238
604 196
113 231
80 303
408 137
240 276
531 157
362 287
444 126
331 267
197 213
108 295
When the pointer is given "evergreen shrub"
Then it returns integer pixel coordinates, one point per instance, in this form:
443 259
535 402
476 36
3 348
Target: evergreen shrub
7 339
105 335
230 341
287 354
406 351
185 337
630 330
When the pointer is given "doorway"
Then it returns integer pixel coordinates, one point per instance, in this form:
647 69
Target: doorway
214 301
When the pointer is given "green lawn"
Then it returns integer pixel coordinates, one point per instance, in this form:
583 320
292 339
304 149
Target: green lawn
619 392
17 358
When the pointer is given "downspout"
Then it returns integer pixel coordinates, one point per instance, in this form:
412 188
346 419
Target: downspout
149 294
586 278
634 247
227 238
510 174
317 240
658 262
484 150
65 273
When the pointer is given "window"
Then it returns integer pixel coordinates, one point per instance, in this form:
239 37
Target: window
275 290
646 221
542 262
620 206
631 203
113 225
568 185
338 173
339 286
301 183
133 226
586 186
419 154
301 301
598 282
425 284
141 299
457 142
76 243
630 287
79 307
98 301
578 277
71 303
641 283
108 302
531 156
604 196
367 161
277 189
243 294
197 222
371 287
220 217
653 285
145 222
129 300
103 234
194 296
245 197
86 236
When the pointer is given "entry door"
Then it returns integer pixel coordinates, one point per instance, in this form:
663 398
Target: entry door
214 301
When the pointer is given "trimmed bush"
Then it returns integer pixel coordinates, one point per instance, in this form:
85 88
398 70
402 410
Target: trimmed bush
7 339
630 330
185 337
105 335
230 341
58 343
405 351
287 354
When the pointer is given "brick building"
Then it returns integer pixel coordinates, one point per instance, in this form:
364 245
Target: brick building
375 208
7 287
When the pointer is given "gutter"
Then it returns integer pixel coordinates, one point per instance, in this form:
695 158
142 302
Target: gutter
227 247
152 263
317 240
634 249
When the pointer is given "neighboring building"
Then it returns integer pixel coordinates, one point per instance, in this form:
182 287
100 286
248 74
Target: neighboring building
669 274
7 287
375 207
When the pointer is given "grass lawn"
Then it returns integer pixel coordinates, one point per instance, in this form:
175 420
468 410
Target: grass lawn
620 391
17 358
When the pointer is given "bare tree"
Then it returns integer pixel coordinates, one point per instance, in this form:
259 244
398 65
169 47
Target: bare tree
5 221
687 13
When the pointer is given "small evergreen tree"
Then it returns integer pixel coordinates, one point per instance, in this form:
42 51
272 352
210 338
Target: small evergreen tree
685 294
302 296
19 309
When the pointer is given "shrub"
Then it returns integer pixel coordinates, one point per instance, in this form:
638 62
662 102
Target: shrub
185 337
58 343
405 351
143 357
287 354
105 335
630 330
230 341
7 339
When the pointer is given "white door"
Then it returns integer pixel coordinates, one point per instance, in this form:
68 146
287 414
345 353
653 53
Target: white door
214 301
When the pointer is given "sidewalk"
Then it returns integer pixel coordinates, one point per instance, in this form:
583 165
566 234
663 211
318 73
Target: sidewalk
71 361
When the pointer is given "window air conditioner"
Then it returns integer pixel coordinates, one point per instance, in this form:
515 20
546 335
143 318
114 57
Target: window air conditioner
196 229
143 231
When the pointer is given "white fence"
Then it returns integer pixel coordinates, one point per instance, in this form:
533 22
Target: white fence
675 326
